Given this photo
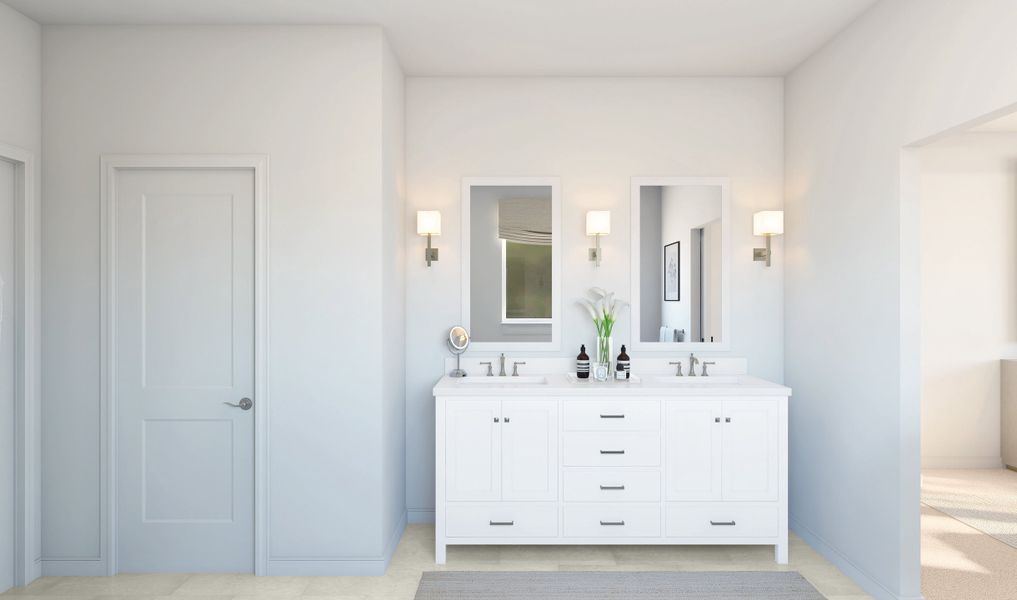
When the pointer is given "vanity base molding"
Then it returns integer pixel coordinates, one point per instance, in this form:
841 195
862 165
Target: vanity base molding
682 470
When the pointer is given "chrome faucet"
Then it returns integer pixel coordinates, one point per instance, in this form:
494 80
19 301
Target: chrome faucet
501 360
490 373
705 364
515 368
693 361
678 368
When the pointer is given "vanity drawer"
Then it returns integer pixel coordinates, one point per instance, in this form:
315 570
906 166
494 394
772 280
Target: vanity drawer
612 485
612 415
612 520
587 449
722 520
501 520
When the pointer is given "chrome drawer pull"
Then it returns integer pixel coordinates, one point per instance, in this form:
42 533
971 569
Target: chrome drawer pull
612 523
612 487
502 523
722 523
612 452
612 416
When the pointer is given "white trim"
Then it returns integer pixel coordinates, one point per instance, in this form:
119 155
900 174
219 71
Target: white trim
866 581
962 462
259 165
727 244
27 466
556 251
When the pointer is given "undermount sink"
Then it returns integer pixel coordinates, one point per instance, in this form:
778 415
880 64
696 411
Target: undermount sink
698 380
517 380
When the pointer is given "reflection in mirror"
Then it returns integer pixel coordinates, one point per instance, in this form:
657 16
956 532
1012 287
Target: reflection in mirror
511 262
681 262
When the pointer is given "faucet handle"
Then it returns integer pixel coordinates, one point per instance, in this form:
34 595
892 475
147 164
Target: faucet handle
490 370
515 368
678 368
705 363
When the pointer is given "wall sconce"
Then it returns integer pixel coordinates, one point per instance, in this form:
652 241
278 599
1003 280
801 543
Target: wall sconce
429 223
598 223
767 223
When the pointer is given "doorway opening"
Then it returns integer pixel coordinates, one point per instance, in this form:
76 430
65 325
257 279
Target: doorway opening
966 183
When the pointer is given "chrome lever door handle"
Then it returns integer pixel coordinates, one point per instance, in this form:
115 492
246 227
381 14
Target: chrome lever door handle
244 404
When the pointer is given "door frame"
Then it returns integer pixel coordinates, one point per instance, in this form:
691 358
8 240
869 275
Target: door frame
27 436
111 166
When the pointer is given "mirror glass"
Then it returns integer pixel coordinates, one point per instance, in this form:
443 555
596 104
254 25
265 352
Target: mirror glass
458 339
681 238
512 254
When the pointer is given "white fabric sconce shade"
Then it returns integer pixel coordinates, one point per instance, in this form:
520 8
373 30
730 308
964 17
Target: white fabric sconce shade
598 222
767 223
429 223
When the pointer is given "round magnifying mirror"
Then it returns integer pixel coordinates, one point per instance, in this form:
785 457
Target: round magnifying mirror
458 341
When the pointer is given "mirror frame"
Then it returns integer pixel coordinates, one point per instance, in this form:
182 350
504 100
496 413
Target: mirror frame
556 252
724 184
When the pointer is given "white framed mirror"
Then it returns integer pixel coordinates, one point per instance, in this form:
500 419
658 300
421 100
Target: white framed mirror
681 263
511 262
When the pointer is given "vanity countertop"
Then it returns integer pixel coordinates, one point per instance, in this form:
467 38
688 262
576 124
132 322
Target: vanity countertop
647 385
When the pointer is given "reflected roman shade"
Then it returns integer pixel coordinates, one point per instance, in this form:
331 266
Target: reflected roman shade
525 220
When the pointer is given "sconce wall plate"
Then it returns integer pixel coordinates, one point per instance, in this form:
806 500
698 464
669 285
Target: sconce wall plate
429 223
598 223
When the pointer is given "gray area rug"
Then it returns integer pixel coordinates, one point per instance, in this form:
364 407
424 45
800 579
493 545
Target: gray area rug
985 499
616 585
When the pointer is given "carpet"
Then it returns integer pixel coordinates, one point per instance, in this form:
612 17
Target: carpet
985 499
615 585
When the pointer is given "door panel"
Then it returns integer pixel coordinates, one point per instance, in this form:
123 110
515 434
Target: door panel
693 442
184 319
473 450
529 446
750 454
7 194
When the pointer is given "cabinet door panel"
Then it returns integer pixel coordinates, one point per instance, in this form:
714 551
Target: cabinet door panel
529 448
693 441
751 453
472 450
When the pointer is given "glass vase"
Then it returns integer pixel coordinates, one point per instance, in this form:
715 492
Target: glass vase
602 359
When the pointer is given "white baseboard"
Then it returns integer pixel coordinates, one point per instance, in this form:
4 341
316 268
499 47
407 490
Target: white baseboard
73 568
313 567
421 515
874 588
962 462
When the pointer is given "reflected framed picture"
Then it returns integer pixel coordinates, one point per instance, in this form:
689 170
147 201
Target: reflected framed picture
672 272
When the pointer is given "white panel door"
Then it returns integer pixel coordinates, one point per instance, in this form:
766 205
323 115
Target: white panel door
473 449
7 192
529 450
184 322
693 441
750 455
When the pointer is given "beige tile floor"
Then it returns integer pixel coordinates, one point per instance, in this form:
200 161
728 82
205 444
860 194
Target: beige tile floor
415 554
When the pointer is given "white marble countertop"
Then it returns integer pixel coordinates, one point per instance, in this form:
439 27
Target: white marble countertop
648 385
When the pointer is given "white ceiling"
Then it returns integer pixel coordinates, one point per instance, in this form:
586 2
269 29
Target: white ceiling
526 37
1004 124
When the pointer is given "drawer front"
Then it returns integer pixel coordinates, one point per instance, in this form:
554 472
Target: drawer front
612 520
612 415
501 520
722 520
583 449
612 485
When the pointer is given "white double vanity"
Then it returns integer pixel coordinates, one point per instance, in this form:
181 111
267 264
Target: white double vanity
658 459
555 461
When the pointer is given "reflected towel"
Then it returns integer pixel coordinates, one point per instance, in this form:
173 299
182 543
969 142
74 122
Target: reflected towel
665 334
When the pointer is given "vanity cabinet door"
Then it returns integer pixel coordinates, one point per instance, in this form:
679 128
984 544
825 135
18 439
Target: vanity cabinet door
693 434
751 452
529 447
473 433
